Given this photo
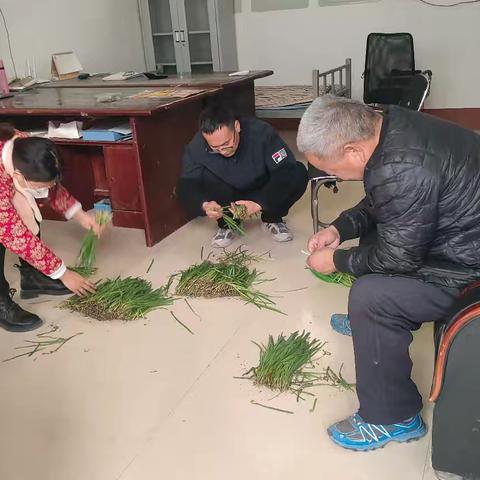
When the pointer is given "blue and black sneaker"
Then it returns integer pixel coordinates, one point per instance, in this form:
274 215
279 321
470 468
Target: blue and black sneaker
341 324
355 434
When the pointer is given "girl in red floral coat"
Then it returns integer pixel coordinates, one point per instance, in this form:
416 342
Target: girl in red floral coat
30 170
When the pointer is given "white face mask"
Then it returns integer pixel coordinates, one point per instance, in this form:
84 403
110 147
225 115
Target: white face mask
38 193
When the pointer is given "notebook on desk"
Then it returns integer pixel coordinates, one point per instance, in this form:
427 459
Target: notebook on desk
107 131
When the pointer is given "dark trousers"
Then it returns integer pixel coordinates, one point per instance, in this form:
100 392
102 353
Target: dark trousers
4 286
383 311
276 196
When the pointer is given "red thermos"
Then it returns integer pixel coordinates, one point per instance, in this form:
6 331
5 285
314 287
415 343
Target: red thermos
3 80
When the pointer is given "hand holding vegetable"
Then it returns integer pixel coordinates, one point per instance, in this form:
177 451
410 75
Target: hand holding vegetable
212 210
322 260
89 222
252 207
77 284
328 237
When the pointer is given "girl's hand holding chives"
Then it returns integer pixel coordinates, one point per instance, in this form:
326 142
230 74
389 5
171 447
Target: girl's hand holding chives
88 221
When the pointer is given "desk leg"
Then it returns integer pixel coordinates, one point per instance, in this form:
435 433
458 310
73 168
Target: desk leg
161 140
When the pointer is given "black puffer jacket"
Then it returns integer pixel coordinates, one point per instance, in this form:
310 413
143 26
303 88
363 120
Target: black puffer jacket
422 187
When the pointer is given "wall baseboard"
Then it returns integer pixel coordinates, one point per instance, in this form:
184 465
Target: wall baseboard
465 117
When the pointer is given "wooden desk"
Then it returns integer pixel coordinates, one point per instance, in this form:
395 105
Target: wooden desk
139 176
219 79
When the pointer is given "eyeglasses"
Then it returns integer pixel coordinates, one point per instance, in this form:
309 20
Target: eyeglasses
226 146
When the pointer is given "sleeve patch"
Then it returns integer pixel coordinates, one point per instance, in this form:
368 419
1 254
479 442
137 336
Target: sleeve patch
279 156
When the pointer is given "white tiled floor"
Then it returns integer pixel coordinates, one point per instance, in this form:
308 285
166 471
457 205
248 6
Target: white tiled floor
147 400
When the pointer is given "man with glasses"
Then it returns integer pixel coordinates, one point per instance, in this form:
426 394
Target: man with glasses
244 162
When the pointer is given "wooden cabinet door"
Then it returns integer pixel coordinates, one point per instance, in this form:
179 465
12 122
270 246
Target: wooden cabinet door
122 177
77 177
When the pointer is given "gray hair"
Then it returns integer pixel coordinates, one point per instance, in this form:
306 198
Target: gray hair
330 123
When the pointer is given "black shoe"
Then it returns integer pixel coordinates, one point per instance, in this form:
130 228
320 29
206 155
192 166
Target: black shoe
34 283
14 318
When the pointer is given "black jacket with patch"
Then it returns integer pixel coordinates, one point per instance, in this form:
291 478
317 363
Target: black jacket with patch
422 188
261 159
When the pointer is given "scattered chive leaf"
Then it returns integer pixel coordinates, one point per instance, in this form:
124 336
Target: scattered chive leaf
181 323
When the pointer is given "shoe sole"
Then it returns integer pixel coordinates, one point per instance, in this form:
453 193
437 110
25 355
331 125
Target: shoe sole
29 294
404 438
288 239
282 240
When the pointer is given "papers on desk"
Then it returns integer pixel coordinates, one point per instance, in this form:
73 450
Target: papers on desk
116 77
171 92
21 84
70 130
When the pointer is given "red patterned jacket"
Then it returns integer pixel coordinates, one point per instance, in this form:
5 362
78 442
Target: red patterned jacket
16 237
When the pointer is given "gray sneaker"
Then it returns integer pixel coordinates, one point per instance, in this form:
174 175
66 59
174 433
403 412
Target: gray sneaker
223 238
279 231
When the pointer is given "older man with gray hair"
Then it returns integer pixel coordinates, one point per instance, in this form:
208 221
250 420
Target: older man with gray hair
419 230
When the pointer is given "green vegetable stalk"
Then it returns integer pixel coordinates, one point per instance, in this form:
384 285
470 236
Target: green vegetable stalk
287 364
87 256
126 299
229 276
233 219
86 272
339 278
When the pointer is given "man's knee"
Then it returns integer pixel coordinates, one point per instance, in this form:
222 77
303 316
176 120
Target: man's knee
297 183
302 176
368 293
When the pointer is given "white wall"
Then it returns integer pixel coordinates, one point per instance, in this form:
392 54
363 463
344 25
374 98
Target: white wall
294 42
105 34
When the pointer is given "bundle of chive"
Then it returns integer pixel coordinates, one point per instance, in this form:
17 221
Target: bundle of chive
233 215
287 363
126 299
86 257
228 276
338 278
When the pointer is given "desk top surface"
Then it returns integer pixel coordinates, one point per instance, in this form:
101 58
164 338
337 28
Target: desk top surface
216 79
90 101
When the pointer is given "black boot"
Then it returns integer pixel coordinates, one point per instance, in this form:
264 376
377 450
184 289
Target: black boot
14 318
34 283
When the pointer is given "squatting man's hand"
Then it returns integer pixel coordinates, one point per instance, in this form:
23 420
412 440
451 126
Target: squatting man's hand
252 207
212 210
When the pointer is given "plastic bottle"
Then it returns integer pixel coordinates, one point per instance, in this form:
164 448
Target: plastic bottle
4 88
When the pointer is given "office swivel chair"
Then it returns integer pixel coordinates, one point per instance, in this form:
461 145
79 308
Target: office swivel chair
390 78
